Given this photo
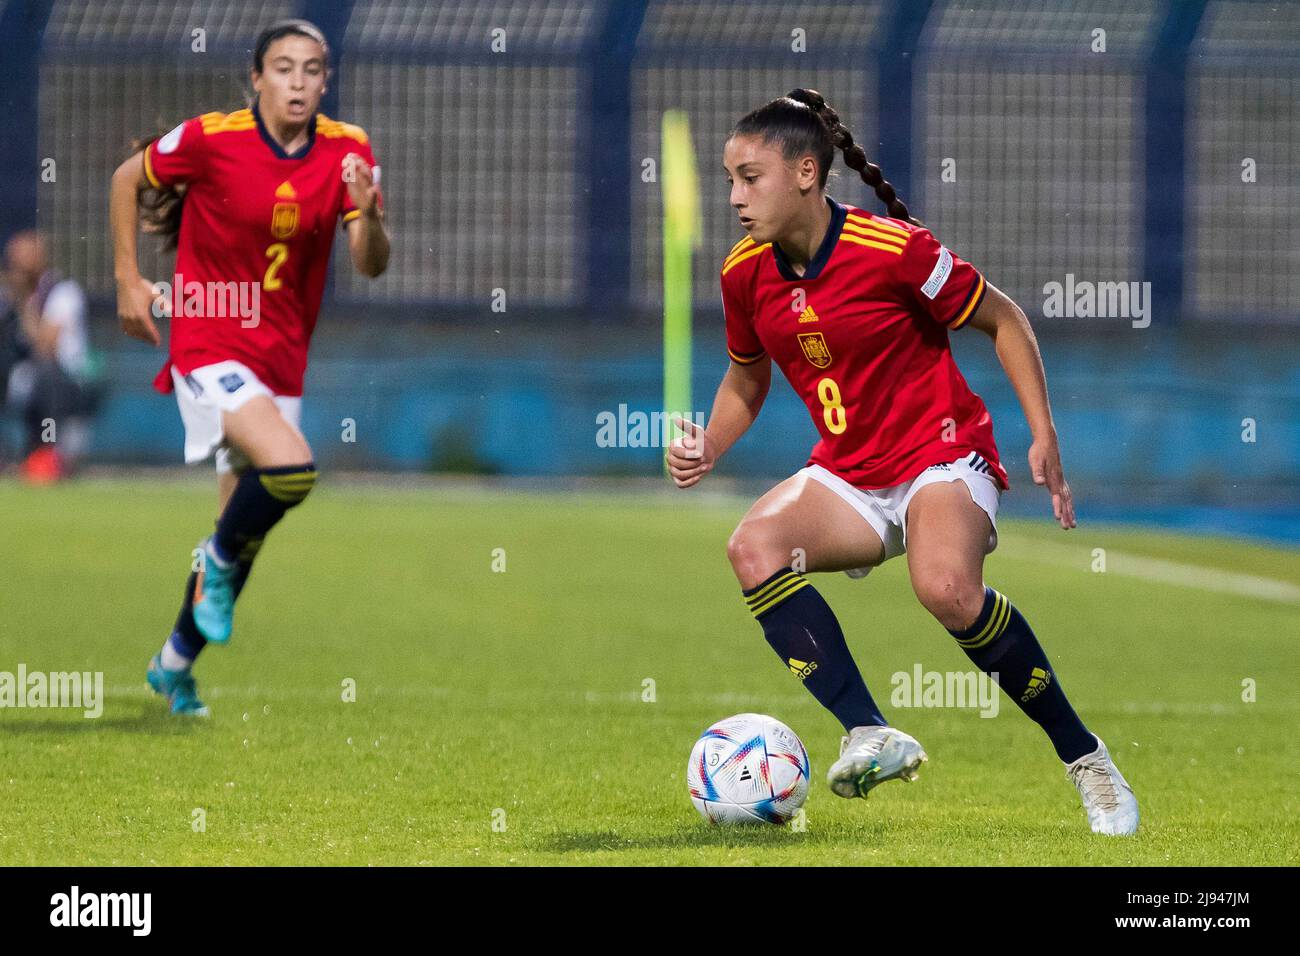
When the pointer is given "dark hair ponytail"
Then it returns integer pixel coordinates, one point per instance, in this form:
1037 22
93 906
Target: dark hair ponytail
802 122
160 209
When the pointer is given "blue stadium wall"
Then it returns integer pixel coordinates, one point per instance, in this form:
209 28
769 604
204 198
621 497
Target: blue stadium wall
524 171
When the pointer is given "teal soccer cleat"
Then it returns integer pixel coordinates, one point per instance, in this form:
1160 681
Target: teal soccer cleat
214 597
178 687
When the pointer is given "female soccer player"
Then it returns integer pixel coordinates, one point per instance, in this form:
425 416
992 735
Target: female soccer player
855 309
261 190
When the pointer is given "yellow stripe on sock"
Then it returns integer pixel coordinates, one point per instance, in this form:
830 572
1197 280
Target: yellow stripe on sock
291 488
249 551
288 486
768 588
780 596
997 623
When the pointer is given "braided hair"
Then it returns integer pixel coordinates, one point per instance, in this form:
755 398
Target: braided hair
802 122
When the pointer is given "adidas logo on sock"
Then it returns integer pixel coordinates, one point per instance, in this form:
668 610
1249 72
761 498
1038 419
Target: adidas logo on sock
801 669
1038 681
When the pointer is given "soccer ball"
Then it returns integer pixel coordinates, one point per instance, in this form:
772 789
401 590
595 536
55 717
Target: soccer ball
750 768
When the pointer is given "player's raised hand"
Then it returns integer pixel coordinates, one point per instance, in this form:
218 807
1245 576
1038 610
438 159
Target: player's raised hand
135 305
690 457
1045 466
359 177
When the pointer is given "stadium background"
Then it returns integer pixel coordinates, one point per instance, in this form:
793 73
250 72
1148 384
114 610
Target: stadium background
565 694
522 171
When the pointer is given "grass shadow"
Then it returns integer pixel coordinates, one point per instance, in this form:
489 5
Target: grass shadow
149 717
695 837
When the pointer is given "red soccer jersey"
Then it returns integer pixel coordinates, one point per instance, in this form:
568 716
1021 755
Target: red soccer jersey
261 219
862 336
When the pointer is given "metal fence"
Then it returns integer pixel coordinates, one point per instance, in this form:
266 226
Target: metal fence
1110 140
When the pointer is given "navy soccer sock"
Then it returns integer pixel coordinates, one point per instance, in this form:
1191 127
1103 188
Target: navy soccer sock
260 499
803 631
186 639
1001 643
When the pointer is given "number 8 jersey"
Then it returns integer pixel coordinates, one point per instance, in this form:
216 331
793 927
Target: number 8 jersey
256 233
862 337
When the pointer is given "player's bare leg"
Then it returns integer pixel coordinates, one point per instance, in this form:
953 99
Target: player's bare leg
801 525
801 520
281 476
265 436
947 538
250 502
947 534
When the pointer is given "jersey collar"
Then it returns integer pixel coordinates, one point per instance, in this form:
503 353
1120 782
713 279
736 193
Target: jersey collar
838 215
276 147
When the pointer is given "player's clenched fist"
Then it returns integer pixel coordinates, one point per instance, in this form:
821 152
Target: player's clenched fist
690 457
135 304
360 178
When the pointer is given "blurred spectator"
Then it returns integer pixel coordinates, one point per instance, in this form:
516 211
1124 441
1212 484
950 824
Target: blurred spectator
45 361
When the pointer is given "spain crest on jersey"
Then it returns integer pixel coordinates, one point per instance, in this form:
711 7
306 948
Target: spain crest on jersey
815 348
284 220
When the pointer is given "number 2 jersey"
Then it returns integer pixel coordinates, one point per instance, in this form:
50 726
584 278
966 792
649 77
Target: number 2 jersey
257 228
862 337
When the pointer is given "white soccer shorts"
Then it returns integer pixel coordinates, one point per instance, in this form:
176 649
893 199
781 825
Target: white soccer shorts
886 509
209 390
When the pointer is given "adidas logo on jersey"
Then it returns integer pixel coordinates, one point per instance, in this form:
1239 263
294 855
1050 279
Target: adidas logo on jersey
285 191
801 669
809 315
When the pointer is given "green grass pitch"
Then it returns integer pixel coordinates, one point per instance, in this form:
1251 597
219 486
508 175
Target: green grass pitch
499 716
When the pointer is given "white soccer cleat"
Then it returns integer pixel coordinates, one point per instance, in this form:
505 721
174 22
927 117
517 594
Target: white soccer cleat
1112 807
872 755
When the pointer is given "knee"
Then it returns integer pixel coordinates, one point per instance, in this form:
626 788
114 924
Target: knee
754 553
954 601
288 452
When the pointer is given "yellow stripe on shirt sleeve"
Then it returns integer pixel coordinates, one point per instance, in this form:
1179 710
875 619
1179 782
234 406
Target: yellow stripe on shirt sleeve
976 297
742 256
148 169
746 359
